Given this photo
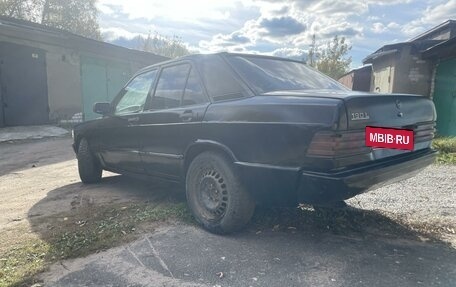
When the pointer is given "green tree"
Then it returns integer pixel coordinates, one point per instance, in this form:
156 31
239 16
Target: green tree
171 47
77 16
333 60
21 9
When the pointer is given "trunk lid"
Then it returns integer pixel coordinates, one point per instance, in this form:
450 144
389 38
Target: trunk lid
396 111
368 109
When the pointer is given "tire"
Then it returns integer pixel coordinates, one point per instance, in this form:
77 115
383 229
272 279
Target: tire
215 195
88 165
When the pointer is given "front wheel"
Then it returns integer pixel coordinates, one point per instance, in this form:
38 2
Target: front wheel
215 195
90 170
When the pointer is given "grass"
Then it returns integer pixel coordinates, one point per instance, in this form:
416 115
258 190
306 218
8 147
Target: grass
77 234
447 149
22 261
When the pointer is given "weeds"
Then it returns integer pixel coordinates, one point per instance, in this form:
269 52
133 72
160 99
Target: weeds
447 149
80 233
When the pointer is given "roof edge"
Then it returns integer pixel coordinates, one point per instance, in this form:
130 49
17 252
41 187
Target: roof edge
56 32
433 29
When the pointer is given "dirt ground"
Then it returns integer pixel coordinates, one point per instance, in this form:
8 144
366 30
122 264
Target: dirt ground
39 179
45 172
32 170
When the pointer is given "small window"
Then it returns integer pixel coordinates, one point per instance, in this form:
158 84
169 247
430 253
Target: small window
170 87
193 91
219 80
135 94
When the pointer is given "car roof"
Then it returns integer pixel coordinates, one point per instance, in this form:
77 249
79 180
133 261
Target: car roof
200 57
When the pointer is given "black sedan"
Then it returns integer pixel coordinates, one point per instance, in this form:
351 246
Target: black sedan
240 130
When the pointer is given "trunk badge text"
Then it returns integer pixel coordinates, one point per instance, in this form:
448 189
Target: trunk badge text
359 116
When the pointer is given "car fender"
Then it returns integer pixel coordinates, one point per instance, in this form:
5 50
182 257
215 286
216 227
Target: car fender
202 145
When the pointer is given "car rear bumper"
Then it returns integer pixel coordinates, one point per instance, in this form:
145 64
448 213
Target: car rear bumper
289 186
329 187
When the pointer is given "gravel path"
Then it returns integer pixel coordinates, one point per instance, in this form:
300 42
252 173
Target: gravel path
429 198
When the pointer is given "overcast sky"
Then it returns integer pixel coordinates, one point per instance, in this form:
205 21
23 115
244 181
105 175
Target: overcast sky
282 28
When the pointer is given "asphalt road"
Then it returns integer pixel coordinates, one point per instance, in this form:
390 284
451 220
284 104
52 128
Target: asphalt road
40 177
189 256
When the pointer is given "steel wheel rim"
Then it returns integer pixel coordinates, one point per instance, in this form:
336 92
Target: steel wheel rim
213 195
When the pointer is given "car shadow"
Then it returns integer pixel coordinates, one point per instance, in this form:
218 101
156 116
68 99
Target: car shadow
112 190
358 240
119 189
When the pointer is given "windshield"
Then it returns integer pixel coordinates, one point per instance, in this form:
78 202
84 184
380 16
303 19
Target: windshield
269 74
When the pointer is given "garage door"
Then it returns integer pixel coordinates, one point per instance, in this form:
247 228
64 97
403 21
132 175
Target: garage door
101 81
445 97
383 80
23 81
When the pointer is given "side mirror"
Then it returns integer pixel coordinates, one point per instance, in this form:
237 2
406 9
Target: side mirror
102 108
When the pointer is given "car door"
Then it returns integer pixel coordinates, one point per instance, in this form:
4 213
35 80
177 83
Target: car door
119 139
172 119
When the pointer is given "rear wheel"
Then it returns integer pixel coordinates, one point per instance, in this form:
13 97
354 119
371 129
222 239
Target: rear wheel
215 195
88 165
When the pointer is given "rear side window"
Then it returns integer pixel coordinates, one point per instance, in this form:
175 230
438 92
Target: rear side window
135 94
170 87
219 79
193 94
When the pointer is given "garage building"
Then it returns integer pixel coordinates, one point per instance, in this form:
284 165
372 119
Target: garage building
48 75
424 65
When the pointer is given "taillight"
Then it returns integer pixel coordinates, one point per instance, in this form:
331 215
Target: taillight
335 144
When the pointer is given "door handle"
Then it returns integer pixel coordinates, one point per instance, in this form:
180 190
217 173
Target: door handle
133 120
187 116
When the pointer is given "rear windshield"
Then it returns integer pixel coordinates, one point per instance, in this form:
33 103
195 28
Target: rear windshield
268 75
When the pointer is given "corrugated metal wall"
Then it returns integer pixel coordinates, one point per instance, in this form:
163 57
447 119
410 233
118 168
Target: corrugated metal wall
23 82
445 97
101 80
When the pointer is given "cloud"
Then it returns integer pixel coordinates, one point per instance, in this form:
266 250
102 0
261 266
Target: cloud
291 53
171 9
283 26
113 33
234 40
237 38
373 18
284 10
105 8
393 25
347 29
388 2
333 8
431 16
440 13
378 28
